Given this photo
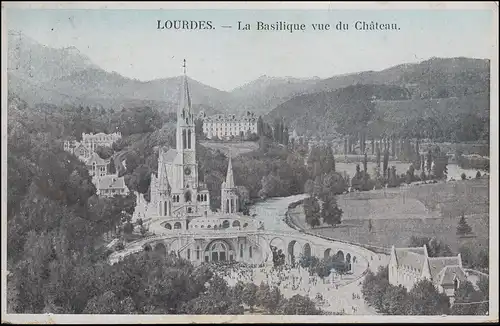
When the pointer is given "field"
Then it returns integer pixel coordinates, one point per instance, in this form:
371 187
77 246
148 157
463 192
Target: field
427 210
236 147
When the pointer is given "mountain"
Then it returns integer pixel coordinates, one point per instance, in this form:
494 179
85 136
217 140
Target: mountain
32 60
433 78
376 110
40 74
267 92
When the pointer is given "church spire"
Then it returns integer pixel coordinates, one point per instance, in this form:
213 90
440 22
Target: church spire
164 184
185 101
229 176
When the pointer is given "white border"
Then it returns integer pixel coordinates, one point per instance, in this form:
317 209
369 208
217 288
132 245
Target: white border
129 319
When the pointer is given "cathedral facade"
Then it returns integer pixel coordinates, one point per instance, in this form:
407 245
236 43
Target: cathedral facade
179 206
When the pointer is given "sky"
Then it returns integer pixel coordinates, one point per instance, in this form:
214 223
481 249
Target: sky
128 41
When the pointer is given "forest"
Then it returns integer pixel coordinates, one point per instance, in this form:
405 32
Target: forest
56 223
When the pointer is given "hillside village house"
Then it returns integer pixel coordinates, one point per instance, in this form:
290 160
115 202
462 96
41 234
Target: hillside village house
227 126
106 184
111 185
96 165
409 265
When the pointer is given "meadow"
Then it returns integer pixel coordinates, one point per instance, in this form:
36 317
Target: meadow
396 214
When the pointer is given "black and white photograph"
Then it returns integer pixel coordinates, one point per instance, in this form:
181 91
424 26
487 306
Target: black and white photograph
225 162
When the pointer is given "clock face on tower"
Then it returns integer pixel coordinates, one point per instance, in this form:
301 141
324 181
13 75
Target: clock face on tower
187 170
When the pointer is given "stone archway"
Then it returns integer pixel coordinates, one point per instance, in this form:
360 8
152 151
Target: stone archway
277 242
173 247
327 253
306 250
340 255
218 250
160 248
277 249
293 248
348 261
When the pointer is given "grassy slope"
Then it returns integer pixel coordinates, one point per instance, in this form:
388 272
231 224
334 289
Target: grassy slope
394 222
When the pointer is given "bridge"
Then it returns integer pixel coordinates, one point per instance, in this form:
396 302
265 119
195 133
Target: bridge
293 244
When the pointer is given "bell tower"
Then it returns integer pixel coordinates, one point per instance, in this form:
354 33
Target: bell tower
186 135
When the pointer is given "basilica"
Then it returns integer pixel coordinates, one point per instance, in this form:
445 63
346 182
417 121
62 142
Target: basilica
179 206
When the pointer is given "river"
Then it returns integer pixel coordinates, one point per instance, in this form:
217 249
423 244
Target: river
272 212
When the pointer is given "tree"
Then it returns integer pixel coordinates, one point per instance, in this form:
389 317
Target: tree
429 161
386 162
312 211
128 228
395 300
463 228
466 294
330 212
250 295
426 300
378 155
435 247
299 305
104 152
439 169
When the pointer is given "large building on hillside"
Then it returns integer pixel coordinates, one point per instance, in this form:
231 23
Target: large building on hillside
407 266
90 142
180 204
230 125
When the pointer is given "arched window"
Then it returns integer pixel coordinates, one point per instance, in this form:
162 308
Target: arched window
189 139
198 252
184 138
165 211
189 254
168 226
225 224
245 225
250 251
209 226
236 223
241 250
198 197
177 225
189 210
227 206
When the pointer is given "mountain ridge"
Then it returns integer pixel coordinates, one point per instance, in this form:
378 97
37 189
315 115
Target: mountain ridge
66 76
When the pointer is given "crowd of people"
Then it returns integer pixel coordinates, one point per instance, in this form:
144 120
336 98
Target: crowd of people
292 280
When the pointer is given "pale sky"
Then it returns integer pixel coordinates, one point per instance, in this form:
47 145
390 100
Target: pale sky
128 41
